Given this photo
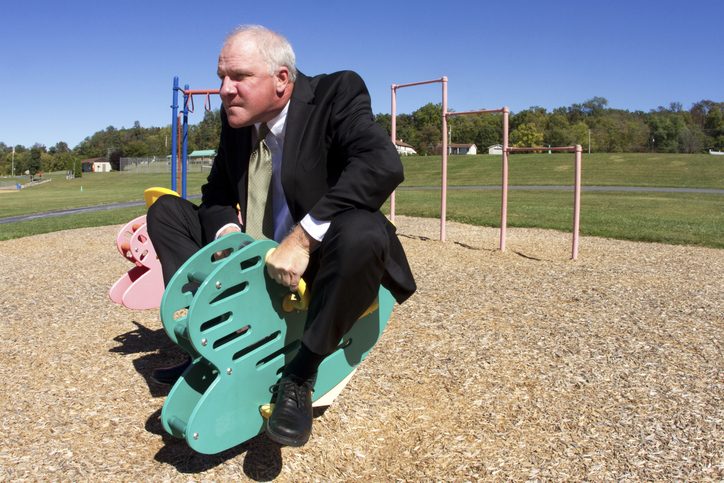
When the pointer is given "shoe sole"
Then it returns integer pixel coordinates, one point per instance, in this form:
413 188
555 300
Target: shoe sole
169 380
164 383
284 440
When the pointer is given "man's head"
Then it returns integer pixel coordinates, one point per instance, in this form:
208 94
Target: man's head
257 72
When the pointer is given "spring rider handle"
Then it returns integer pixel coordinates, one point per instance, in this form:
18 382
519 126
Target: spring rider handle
294 301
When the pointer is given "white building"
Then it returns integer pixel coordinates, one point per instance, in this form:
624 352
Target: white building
95 165
495 149
470 149
404 149
101 167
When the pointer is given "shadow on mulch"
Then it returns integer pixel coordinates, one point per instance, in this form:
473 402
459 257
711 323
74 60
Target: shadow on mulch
141 339
158 351
263 458
458 243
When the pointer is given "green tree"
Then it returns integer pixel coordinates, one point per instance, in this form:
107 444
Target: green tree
429 115
22 162
714 126
35 163
579 133
594 106
526 135
205 134
534 116
429 140
558 131
385 121
135 149
666 128
406 131
59 147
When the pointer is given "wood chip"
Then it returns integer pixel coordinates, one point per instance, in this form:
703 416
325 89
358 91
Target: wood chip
521 365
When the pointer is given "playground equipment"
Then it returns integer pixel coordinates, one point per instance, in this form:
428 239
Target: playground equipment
142 286
507 150
577 149
180 131
180 144
241 328
393 135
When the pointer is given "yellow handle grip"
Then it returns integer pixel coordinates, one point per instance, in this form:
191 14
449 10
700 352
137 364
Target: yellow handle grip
294 301
152 194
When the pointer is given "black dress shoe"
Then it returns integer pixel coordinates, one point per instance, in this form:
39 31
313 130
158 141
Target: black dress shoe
290 423
169 375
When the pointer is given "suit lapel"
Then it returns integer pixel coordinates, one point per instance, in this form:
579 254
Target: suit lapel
301 107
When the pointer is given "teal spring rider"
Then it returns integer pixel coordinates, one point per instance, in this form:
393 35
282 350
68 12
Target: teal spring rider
241 328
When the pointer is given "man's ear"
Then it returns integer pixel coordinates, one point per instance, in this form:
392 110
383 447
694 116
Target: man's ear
282 80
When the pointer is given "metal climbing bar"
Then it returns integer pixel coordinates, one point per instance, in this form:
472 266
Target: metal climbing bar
180 130
578 150
393 135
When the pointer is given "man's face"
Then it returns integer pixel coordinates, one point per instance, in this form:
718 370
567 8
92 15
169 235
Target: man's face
248 92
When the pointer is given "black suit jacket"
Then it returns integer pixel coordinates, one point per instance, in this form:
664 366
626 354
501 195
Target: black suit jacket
336 158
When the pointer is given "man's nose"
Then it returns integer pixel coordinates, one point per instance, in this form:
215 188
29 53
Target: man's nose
227 87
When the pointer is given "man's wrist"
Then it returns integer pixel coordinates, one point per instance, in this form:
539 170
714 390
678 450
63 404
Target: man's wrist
315 228
304 239
226 229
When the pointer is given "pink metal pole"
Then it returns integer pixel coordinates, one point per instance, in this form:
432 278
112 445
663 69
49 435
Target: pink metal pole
422 82
576 203
443 201
568 149
577 149
470 113
393 135
504 201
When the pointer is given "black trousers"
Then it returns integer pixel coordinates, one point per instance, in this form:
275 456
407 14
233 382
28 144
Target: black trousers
344 272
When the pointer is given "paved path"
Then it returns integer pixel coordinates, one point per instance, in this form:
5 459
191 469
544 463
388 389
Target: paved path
635 189
75 211
570 188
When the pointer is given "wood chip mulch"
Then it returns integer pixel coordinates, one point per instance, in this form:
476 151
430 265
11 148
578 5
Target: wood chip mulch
522 365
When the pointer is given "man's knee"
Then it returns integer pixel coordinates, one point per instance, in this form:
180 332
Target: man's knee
161 209
359 233
359 227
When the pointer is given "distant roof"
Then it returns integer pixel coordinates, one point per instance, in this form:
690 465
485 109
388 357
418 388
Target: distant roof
402 143
456 145
203 153
93 160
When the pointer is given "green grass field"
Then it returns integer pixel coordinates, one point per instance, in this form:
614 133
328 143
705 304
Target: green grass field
677 218
630 169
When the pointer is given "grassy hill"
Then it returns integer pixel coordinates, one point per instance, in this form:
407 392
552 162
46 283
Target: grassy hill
599 169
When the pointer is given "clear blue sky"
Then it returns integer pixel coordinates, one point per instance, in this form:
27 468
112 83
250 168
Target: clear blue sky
72 68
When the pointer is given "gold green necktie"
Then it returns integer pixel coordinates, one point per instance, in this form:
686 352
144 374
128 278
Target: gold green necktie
259 219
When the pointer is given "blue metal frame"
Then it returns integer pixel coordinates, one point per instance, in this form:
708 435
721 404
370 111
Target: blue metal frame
185 142
174 133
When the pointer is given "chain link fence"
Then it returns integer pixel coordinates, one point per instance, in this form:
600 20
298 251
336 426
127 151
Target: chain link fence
158 164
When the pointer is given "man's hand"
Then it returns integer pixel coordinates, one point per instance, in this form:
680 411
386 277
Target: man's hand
287 263
225 253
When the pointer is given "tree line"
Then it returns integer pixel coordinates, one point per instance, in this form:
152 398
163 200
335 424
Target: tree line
671 129
111 144
666 129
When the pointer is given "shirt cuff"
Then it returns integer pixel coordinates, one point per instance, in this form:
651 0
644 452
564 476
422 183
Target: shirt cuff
218 233
315 228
